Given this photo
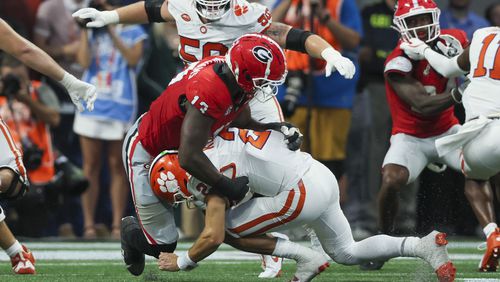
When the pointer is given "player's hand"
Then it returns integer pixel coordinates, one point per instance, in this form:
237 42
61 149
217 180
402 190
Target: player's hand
96 18
336 62
233 189
458 92
414 49
78 91
293 137
168 262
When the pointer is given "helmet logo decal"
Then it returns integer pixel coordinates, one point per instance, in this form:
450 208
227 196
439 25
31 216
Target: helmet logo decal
186 17
167 182
262 54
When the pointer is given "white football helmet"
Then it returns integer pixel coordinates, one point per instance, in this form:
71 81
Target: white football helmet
212 9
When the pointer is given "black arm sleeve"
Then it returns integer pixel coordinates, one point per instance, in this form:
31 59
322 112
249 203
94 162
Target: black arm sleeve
296 39
153 9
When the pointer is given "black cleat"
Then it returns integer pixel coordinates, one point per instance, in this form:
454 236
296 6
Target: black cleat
371 265
134 259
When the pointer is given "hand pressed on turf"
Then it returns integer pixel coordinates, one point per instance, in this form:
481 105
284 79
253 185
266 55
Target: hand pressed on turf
168 262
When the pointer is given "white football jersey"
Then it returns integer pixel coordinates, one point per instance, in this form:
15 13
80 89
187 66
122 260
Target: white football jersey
482 96
199 40
261 156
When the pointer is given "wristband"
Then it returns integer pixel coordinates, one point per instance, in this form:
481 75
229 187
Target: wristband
110 17
67 80
453 92
330 53
184 262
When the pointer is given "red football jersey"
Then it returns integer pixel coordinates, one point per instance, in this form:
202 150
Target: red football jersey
200 85
404 119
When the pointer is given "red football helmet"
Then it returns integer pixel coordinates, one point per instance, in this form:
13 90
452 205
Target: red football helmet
168 180
258 63
409 8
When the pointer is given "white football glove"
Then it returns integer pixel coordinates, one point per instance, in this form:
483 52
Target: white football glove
336 62
97 18
414 49
78 91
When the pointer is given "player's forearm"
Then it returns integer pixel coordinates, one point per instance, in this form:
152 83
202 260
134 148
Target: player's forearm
213 233
133 13
38 60
199 166
447 67
432 105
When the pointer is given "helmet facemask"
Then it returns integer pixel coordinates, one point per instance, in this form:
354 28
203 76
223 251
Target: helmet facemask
407 33
265 88
213 9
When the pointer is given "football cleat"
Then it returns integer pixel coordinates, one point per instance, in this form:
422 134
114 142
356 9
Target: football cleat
310 266
134 259
489 262
372 265
23 262
432 249
271 266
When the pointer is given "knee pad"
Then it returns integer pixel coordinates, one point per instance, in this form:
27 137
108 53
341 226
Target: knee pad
11 193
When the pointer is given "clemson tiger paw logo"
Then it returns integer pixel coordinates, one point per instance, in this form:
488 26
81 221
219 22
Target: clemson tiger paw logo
167 182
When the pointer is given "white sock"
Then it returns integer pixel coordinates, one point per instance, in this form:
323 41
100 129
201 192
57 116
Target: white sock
488 229
15 249
290 250
408 246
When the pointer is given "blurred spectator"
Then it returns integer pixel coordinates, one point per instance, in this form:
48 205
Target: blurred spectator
110 56
58 34
368 139
459 16
493 14
20 14
30 108
161 63
326 124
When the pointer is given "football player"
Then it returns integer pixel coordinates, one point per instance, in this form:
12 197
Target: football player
197 104
422 108
478 137
293 189
13 178
209 27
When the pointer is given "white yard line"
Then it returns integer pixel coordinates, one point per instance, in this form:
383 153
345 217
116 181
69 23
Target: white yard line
116 255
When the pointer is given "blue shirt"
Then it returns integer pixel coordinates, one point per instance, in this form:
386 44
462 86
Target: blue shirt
335 91
469 24
110 73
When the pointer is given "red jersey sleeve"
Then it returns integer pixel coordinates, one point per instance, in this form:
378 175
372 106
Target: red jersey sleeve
210 97
398 62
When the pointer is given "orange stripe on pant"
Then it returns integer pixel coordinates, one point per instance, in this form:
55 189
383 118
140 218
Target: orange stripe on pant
269 216
13 148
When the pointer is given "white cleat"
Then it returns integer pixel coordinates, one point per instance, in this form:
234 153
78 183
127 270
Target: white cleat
271 266
432 249
309 266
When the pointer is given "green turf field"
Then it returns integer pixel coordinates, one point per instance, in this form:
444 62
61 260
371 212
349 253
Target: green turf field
74 262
